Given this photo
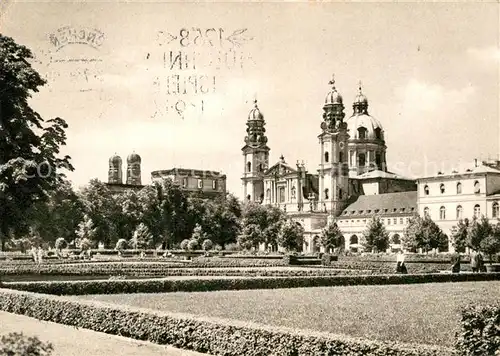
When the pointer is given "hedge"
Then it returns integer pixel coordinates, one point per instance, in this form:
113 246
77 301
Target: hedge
212 336
390 267
152 272
480 331
234 283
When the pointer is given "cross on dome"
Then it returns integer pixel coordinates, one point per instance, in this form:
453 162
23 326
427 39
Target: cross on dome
332 81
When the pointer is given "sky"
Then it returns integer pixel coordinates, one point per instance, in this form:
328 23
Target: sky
430 72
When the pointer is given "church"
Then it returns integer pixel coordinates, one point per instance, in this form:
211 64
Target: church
350 185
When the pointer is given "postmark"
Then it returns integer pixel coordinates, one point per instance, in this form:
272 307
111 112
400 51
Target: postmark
71 60
194 62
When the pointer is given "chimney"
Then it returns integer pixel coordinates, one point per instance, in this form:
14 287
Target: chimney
475 162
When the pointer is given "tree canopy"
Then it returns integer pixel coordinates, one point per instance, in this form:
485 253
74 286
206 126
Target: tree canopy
30 165
376 236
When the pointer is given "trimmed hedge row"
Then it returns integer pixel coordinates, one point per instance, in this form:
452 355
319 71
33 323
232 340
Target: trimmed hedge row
480 331
216 337
390 267
234 283
141 271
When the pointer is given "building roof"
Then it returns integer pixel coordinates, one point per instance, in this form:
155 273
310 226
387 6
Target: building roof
380 174
383 204
187 172
478 170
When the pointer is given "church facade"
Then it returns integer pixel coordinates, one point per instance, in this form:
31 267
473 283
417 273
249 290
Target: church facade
350 185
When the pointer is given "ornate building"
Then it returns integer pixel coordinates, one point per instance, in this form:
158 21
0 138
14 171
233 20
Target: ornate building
352 182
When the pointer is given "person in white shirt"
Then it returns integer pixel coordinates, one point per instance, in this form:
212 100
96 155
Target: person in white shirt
400 263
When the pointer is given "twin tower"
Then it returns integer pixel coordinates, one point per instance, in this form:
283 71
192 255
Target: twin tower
133 170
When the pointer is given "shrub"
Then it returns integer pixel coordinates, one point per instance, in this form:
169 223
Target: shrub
17 344
215 337
60 243
192 245
121 244
184 244
207 245
480 331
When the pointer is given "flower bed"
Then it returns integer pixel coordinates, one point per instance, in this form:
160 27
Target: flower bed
235 283
200 334
480 331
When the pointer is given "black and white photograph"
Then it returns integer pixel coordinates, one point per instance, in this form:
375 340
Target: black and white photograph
249 178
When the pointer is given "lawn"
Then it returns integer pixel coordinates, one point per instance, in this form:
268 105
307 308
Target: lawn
420 313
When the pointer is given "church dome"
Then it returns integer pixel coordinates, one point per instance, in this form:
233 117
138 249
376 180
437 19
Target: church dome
333 97
115 160
364 126
134 158
255 113
360 99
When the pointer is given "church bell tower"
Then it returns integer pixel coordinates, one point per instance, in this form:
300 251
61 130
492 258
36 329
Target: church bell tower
334 170
255 156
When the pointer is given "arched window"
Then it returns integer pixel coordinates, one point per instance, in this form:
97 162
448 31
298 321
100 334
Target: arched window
441 188
477 188
477 211
426 212
442 213
459 188
378 133
459 212
341 156
362 133
293 192
353 240
261 167
396 239
495 210
426 190
361 160
378 160
340 193
326 193
249 166
327 156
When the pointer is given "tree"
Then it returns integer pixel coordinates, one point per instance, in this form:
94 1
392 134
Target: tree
128 213
86 229
59 215
251 235
142 238
425 234
460 235
291 236
490 246
261 224
376 235
478 231
30 166
331 236
174 211
103 210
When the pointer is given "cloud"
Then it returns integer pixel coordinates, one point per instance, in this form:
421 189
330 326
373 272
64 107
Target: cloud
485 54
